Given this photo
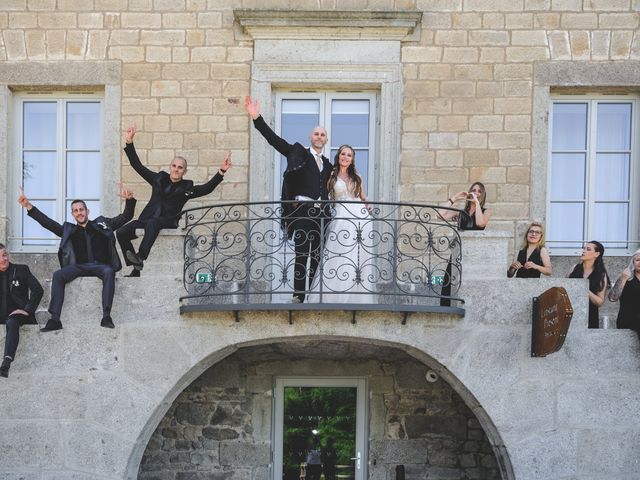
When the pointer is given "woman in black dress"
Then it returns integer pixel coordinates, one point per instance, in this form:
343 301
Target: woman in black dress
533 258
476 217
592 268
627 290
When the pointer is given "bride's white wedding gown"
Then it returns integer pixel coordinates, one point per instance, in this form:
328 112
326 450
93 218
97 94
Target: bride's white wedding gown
346 270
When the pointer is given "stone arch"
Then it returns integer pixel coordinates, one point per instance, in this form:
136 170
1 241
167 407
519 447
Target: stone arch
490 429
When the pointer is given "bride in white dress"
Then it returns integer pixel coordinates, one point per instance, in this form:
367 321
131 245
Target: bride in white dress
345 274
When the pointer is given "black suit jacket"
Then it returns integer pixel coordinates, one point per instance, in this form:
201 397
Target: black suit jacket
103 225
302 170
302 176
25 290
167 205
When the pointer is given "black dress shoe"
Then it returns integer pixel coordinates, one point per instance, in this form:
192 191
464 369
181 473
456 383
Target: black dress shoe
107 322
4 368
52 325
135 259
134 273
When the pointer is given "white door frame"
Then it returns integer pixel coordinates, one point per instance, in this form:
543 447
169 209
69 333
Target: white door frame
360 383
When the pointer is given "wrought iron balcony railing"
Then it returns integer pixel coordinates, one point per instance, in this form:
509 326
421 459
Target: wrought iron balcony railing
380 256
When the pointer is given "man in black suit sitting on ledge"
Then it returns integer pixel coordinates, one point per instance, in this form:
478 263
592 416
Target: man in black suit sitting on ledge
169 193
87 249
20 295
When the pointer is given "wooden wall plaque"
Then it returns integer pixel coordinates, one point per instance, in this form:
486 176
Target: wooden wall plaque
552 312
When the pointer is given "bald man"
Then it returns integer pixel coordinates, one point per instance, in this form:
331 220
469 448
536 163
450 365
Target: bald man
169 193
305 181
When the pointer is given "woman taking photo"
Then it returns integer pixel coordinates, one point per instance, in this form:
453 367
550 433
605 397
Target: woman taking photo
627 289
592 268
477 217
533 258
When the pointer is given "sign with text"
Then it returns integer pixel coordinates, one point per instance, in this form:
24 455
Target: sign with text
204 278
552 312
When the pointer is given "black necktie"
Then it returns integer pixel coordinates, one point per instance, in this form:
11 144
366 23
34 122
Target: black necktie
87 238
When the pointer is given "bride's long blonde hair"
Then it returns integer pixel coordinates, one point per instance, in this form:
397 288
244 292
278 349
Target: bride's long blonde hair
354 179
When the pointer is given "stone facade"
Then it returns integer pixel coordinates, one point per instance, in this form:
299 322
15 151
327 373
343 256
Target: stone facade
216 428
464 95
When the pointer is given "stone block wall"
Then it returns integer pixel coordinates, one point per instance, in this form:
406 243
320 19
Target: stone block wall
468 81
219 426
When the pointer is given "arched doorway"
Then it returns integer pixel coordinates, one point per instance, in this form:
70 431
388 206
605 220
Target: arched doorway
417 425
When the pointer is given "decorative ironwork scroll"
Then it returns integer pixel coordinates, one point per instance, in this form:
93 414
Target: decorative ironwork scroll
375 254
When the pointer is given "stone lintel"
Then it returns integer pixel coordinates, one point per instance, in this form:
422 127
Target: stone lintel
588 74
328 24
81 73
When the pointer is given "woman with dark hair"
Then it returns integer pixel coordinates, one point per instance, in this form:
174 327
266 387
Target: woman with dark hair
627 290
533 258
592 268
347 265
477 216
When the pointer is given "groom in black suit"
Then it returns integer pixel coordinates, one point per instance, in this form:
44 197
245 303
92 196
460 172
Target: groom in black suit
305 181
87 249
20 294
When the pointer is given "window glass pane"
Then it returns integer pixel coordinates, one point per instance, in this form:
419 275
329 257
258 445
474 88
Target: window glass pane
611 224
83 125
92 205
567 176
566 223
350 123
39 174
39 122
298 124
569 126
614 126
299 118
612 176
84 175
32 229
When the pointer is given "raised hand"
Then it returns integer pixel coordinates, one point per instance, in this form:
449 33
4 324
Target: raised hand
252 107
226 163
131 132
125 192
23 200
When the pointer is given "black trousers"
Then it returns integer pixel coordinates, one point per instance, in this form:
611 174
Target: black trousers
71 272
127 232
14 322
308 224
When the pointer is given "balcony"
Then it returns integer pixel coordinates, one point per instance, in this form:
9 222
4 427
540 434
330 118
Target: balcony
399 257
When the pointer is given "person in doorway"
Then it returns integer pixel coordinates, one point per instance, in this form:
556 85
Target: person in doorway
169 193
329 458
533 258
592 267
87 249
314 460
627 290
305 182
20 295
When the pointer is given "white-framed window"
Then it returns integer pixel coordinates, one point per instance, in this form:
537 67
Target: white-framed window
594 165
57 150
349 118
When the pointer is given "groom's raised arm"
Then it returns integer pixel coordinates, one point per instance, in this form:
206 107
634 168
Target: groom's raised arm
253 109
